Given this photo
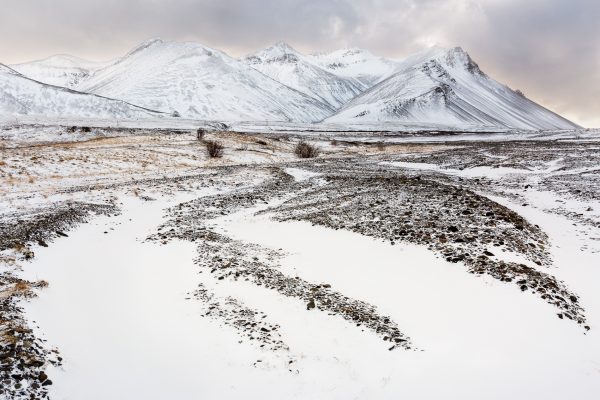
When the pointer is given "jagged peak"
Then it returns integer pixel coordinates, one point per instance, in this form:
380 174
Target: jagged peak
280 51
457 56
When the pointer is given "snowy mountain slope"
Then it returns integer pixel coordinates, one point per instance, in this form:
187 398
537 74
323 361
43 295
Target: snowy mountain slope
198 82
284 64
20 95
356 64
60 70
447 89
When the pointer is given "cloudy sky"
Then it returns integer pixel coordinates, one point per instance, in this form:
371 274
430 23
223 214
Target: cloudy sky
550 49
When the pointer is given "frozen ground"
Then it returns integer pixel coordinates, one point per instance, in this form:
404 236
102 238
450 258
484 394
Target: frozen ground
458 270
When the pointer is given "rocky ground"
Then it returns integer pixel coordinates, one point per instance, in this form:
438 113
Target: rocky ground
443 196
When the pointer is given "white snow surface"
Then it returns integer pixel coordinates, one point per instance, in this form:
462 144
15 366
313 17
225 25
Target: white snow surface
20 95
356 64
436 88
286 65
199 82
447 87
120 318
59 70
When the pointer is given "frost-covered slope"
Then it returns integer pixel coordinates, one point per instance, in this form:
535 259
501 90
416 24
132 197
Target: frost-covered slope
59 70
356 64
198 82
433 88
293 69
447 89
20 95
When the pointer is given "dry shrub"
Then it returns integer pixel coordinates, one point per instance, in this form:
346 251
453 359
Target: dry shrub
200 134
334 142
306 150
21 286
214 149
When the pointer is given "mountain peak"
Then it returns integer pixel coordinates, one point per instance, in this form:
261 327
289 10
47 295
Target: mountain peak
145 45
281 45
457 56
279 52
280 49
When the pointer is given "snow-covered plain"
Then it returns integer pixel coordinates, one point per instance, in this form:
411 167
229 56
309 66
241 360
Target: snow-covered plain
127 328
123 314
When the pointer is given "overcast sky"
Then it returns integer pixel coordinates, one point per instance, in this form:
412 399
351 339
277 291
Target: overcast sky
550 49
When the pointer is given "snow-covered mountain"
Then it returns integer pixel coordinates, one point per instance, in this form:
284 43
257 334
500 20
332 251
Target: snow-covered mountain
284 64
20 95
199 82
436 87
60 70
447 87
356 64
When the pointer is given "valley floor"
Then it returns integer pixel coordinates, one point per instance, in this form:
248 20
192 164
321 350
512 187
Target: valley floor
132 266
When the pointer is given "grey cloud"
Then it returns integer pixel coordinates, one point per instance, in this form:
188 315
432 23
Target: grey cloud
548 48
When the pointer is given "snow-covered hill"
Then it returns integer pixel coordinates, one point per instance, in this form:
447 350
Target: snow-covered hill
447 87
60 70
199 82
356 64
434 88
20 95
284 64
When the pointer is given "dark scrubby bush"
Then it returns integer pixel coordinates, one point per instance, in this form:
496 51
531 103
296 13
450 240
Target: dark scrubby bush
306 150
200 134
214 149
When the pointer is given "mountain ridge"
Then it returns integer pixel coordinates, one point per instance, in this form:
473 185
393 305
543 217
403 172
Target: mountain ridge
436 86
22 95
451 89
196 81
284 64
